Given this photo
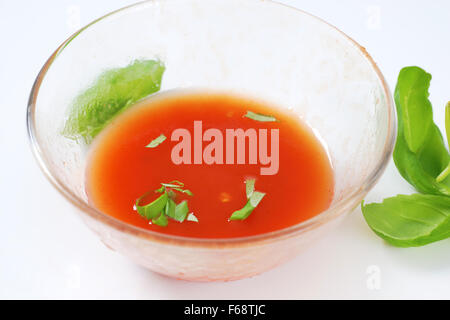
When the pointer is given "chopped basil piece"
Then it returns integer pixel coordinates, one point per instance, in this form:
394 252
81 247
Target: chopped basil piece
161 221
243 213
181 211
260 117
249 187
170 208
186 191
151 210
164 206
254 198
172 183
191 217
156 142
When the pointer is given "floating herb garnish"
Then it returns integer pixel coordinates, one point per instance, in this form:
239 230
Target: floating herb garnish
253 199
181 211
164 206
156 142
176 185
191 217
249 187
161 221
260 117
153 209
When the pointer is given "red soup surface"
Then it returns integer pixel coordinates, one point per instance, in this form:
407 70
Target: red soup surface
121 168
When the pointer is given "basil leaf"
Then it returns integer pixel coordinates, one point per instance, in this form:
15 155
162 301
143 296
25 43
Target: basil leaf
173 184
259 117
181 211
181 184
243 213
164 206
170 208
256 198
153 209
420 153
156 142
421 169
411 96
176 211
112 92
249 187
169 185
251 204
161 221
186 191
191 217
410 221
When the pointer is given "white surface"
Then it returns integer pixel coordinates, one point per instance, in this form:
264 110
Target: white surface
46 251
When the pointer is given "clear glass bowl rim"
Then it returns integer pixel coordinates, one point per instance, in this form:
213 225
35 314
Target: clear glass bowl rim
354 197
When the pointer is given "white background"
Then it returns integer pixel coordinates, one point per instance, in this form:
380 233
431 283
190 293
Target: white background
46 251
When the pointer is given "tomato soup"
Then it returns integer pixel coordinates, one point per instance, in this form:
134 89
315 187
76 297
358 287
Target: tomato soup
278 152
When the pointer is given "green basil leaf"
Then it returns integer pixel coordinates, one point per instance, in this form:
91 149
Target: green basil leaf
112 92
181 184
259 117
186 191
251 204
181 211
164 206
153 209
420 153
410 221
249 187
421 169
170 208
411 96
156 142
161 221
256 198
191 217
243 213
173 184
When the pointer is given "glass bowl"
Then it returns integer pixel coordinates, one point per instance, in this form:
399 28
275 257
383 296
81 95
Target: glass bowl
260 48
